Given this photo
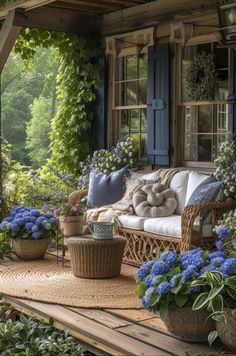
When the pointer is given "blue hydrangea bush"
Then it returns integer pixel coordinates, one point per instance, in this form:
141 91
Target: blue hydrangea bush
28 223
173 281
226 232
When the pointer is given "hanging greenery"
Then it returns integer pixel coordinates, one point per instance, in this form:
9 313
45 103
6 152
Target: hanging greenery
201 77
77 81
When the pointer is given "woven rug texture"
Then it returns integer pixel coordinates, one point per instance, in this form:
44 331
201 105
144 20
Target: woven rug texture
45 281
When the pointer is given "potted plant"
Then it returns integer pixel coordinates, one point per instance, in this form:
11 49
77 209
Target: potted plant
174 284
165 286
71 218
219 286
29 231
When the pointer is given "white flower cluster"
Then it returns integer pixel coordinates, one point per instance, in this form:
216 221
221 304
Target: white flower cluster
108 161
226 167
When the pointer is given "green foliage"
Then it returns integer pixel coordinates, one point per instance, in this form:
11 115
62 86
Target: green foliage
38 130
27 337
20 86
225 162
35 188
77 80
201 77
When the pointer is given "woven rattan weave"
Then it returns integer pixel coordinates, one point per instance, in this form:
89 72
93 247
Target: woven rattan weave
96 258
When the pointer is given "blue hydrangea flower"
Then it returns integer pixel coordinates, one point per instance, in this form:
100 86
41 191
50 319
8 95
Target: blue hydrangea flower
148 280
219 245
210 267
35 228
144 270
222 232
36 234
170 257
29 225
164 288
217 261
14 227
35 212
189 274
216 254
229 266
155 280
160 267
52 220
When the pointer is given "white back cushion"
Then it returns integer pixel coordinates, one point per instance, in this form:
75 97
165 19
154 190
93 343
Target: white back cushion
140 176
179 184
194 180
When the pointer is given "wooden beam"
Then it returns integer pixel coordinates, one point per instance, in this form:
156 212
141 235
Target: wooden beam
8 35
54 19
153 13
13 4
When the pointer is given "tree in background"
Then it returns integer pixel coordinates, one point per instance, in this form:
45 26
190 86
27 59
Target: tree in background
21 87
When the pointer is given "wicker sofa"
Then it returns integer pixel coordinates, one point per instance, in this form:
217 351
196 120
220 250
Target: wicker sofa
179 232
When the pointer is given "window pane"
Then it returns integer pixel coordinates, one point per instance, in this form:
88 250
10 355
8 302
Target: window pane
125 122
135 120
143 66
132 67
131 93
205 129
205 118
143 120
142 92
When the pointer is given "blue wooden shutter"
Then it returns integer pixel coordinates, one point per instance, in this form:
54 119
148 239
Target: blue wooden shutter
232 92
158 105
99 120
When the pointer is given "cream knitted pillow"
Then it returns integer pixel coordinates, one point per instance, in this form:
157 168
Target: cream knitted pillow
154 200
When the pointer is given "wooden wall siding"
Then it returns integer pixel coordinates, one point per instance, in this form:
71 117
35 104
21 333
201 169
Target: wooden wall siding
155 12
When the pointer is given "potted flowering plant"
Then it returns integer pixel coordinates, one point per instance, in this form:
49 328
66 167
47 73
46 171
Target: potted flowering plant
171 284
71 218
219 286
29 230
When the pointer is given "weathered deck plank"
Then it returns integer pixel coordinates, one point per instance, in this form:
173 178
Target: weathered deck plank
104 338
166 342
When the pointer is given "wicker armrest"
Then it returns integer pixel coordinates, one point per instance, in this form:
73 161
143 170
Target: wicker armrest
76 196
190 212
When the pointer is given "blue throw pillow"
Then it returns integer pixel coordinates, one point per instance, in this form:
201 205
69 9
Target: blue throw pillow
105 189
206 192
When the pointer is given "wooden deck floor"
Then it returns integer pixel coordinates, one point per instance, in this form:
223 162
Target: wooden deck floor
113 331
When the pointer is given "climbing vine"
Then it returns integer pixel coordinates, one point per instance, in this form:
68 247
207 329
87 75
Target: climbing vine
77 81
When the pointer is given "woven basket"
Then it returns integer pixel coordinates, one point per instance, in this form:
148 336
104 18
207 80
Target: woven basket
30 249
96 258
189 325
227 332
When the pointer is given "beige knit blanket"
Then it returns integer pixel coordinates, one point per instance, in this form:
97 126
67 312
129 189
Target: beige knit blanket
110 212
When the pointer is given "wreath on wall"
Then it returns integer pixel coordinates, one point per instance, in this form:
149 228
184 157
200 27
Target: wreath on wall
201 77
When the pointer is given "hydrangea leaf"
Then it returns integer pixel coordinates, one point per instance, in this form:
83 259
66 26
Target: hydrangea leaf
141 289
181 300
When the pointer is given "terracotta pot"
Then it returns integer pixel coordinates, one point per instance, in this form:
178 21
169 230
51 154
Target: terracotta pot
30 249
189 325
71 225
227 332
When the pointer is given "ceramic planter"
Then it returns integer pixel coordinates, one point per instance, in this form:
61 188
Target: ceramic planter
189 325
30 249
71 225
227 332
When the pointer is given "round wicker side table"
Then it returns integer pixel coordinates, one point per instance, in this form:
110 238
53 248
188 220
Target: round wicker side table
96 259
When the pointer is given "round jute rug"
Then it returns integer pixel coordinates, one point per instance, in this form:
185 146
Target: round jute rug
44 281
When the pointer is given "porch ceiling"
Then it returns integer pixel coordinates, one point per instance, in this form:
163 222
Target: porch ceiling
95 7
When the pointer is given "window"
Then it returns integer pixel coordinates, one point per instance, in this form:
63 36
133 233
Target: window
205 123
130 100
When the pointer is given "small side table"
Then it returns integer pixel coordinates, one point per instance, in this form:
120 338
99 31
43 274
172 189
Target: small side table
96 258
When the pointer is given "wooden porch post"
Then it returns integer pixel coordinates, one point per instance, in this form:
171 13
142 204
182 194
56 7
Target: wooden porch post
8 35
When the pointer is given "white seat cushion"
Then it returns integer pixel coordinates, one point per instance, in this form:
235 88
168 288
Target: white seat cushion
171 226
132 221
179 184
193 182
